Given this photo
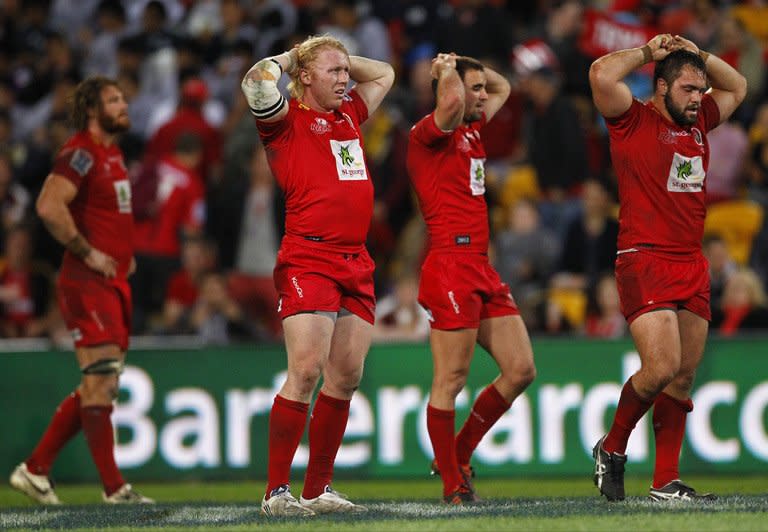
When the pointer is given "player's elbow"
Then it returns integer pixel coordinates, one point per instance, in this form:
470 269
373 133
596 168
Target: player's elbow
598 77
388 78
45 208
741 88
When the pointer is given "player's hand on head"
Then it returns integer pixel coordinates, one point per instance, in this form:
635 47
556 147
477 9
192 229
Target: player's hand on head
102 263
681 43
442 62
661 46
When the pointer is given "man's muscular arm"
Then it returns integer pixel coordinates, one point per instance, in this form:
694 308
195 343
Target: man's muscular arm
260 86
56 194
611 95
449 110
729 87
373 79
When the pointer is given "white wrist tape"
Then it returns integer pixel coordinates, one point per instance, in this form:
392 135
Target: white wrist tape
263 96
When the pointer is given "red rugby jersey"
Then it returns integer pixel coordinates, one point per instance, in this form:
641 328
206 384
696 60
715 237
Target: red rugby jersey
102 207
661 169
447 171
317 159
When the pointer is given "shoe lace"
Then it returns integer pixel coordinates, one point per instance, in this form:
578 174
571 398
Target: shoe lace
329 489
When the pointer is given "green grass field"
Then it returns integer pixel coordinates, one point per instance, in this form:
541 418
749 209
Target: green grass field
533 504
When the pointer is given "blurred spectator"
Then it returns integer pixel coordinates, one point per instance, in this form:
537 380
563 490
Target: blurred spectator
721 266
474 28
216 317
604 317
251 283
702 26
100 48
30 38
526 254
168 205
744 305
561 29
189 119
728 144
589 247
198 257
399 317
276 25
555 140
73 17
27 303
362 34
14 199
737 47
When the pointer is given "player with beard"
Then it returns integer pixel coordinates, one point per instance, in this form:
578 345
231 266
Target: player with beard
86 205
465 297
660 155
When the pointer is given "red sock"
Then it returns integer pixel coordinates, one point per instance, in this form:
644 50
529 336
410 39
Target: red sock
64 424
668 427
488 408
631 408
326 429
441 427
97 427
286 425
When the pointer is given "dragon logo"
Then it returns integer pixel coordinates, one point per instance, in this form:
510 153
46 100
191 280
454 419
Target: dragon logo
345 157
684 170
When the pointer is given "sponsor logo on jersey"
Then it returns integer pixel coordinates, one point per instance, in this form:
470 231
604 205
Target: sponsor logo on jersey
320 126
697 136
81 161
350 164
668 136
123 195
462 240
686 174
477 176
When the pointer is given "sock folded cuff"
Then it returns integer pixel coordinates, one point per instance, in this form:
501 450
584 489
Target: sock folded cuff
294 405
97 409
437 412
493 393
333 402
631 389
685 406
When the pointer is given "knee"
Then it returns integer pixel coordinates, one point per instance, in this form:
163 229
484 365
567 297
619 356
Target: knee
683 382
304 376
520 375
98 389
343 384
450 382
656 378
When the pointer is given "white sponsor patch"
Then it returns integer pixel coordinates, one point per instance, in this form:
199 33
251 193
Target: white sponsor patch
81 161
686 174
350 164
477 176
123 194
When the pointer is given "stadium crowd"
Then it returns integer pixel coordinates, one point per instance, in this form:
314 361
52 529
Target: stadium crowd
209 216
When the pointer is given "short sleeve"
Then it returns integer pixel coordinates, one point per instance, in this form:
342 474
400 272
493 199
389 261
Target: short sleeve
274 132
622 126
711 112
354 103
426 131
73 163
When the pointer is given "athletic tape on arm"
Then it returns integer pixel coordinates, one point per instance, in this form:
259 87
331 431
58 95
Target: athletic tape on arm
263 96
